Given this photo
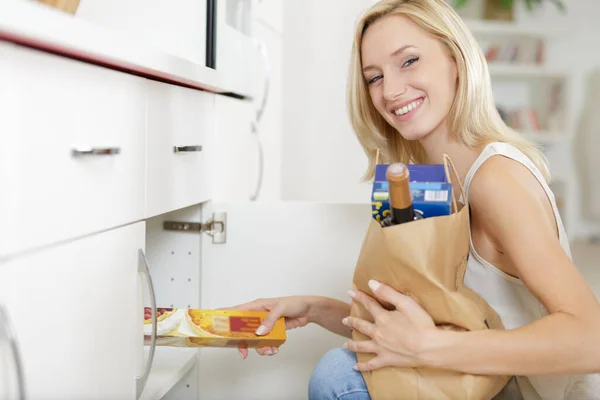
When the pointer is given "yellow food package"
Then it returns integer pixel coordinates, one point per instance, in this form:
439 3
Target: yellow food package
190 327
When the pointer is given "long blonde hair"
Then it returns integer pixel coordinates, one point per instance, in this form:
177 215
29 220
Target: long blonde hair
473 117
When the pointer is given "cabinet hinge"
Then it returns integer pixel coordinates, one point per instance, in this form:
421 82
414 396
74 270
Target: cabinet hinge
215 227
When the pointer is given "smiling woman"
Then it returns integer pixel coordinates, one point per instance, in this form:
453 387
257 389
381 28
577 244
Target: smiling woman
419 89
406 81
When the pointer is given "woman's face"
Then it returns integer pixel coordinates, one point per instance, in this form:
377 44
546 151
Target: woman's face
410 75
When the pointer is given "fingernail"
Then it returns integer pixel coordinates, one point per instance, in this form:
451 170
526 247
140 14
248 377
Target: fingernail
269 352
345 321
374 285
355 368
241 356
345 345
261 330
351 293
275 350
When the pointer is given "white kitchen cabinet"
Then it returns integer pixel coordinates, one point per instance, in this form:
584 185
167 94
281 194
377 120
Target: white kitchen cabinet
235 159
73 148
179 122
268 108
73 226
236 49
78 317
175 27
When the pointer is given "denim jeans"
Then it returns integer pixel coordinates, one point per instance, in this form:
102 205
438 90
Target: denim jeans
334 379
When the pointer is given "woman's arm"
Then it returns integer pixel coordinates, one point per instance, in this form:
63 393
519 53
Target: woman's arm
328 313
566 341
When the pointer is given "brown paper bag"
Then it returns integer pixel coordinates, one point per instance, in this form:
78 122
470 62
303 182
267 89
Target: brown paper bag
426 259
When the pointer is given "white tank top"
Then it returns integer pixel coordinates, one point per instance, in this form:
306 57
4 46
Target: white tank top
516 305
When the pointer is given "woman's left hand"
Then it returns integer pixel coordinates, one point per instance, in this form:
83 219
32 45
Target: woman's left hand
398 337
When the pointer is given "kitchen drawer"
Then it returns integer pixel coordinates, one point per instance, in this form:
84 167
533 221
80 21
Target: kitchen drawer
180 121
53 108
76 317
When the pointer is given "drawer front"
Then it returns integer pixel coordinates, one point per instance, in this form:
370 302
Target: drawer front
56 112
180 121
76 316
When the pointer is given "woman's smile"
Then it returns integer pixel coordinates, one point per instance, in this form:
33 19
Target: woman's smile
407 111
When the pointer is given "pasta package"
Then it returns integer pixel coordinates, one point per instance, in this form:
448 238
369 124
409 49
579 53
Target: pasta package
190 327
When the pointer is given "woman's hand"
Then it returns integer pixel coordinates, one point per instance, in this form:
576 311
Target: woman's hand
295 309
397 338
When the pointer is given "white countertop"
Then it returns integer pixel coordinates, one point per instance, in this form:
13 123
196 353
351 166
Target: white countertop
39 26
169 366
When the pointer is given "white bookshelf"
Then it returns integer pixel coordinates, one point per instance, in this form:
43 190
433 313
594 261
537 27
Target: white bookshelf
507 28
524 71
529 89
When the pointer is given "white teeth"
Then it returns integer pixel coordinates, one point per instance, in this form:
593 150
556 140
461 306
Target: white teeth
410 107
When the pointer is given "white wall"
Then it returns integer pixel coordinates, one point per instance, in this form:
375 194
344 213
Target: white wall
322 160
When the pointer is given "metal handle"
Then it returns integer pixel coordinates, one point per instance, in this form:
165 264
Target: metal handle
95 151
183 149
261 162
7 331
143 269
262 48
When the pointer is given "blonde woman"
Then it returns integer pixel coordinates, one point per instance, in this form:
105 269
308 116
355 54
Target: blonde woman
419 87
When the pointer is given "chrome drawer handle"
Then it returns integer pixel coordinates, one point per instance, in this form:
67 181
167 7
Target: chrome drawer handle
262 47
144 270
261 163
186 149
95 151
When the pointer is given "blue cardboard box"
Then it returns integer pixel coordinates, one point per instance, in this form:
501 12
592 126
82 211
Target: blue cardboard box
431 191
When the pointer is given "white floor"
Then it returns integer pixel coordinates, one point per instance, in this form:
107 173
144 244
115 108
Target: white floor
586 256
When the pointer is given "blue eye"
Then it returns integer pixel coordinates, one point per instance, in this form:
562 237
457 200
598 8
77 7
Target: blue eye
374 79
410 62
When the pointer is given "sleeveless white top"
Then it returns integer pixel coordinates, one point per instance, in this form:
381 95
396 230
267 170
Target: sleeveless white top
516 305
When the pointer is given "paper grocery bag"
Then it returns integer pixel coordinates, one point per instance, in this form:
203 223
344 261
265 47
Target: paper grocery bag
426 259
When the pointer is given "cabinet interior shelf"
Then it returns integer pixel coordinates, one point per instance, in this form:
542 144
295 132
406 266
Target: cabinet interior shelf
170 366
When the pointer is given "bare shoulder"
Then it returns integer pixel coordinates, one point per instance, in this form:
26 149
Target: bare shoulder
505 196
511 208
501 173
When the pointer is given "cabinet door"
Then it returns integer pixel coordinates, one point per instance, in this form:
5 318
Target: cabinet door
175 27
272 250
236 49
234 150
268 102
77 317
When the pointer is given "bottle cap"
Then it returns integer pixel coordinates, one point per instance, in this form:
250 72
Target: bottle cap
398 177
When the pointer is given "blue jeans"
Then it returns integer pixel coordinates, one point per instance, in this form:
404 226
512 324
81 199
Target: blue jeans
334 379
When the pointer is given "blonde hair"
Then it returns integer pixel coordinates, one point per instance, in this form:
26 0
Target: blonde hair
473 117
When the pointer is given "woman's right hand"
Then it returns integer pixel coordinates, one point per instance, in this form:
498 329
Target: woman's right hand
295 310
